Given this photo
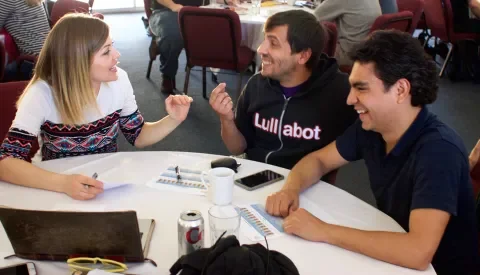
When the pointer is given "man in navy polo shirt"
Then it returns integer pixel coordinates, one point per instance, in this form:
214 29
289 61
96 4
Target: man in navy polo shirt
418 166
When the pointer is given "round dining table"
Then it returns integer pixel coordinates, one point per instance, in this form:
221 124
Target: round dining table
323 200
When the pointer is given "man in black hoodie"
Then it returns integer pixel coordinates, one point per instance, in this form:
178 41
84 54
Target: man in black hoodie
296 105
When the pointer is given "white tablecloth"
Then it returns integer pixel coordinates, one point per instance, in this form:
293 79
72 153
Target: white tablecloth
325 201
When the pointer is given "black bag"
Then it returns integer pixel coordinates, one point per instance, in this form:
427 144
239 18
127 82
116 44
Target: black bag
226 162
227 257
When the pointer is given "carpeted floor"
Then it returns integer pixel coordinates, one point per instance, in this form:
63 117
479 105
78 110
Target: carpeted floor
457 104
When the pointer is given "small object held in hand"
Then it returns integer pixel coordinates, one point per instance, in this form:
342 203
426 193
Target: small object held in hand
226 162
94 176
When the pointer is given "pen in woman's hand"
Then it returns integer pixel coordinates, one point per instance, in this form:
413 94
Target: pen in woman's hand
94 176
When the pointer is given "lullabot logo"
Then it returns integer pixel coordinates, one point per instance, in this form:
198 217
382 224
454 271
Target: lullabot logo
295 130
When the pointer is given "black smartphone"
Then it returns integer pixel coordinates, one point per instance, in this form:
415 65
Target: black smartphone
258 180
19 269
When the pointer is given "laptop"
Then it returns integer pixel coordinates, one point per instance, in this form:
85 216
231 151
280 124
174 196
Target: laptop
58 235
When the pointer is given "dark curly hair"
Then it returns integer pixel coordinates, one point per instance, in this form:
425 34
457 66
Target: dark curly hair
398 55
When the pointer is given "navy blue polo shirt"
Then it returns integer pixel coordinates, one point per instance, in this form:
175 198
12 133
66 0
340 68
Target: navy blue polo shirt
428 168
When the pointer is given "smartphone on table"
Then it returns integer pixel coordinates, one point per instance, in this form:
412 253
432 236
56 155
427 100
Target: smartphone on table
19 269
258 180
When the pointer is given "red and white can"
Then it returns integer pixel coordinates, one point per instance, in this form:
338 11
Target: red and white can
190 232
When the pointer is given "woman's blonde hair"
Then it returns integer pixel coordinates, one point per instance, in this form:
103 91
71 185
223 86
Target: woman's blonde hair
33 3
65 61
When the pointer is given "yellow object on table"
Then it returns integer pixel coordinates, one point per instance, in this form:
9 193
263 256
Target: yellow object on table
270 3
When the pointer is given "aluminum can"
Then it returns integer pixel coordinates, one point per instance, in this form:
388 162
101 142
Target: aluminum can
190 232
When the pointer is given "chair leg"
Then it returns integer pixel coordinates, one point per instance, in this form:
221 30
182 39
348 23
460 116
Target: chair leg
214 78
187 78
149 69
204 82
239 85
447 59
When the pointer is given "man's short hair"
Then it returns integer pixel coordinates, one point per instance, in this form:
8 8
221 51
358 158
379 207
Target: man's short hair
304 32
398 55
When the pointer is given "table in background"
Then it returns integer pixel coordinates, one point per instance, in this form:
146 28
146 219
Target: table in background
165 207
252 25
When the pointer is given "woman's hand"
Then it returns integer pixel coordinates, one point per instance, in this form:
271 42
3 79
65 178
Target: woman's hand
177 106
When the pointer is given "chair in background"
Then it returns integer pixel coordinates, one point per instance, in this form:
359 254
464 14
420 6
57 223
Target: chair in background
439 19
212 39
331 38
62 7
416 7
10 93
3 60
401 21
152 50
10 53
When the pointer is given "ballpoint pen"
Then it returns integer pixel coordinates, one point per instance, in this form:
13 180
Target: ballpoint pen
94 176
177 171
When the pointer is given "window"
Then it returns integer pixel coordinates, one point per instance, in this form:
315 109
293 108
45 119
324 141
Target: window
117 5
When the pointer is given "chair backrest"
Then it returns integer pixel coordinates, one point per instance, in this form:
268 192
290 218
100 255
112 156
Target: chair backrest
62 7
2 60
401 21
435 19
211 37
10 92
147 5
331 38
416 7
11 49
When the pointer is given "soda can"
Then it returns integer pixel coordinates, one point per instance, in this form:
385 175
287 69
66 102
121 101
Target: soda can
190 232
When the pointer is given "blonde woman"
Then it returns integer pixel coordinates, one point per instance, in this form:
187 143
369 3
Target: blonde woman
76 104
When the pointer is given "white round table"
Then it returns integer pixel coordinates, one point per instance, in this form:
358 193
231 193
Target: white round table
323 200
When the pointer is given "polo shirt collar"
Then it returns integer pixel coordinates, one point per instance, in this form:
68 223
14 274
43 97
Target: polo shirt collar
412 132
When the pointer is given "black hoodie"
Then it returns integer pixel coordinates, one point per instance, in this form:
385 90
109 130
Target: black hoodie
279 130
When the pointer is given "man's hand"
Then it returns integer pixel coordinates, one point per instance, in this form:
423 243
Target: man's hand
176 7
282 202
222 103
305 225
81 187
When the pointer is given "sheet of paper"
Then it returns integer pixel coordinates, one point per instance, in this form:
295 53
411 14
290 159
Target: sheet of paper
190 181
257 224
112 185
79 207
112 175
